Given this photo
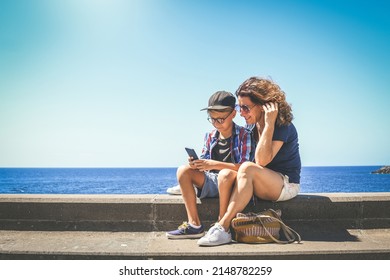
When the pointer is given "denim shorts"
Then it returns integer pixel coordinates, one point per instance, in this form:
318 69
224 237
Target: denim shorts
210 186
289 190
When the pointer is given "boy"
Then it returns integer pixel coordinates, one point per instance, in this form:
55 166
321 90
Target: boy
225 149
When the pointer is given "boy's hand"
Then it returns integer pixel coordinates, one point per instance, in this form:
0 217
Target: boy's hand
203 164
191 163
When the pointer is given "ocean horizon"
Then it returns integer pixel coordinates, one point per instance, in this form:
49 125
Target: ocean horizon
155 180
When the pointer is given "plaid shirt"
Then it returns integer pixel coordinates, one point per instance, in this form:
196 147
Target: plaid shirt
242 144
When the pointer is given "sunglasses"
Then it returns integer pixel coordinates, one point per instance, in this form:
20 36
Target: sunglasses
245 108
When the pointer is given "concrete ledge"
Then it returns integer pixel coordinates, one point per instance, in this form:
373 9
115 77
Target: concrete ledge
332 226
163 212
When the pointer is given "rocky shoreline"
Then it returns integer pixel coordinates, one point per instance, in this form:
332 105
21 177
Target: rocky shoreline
382 170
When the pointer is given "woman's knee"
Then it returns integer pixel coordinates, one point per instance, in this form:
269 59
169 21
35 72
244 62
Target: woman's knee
248 168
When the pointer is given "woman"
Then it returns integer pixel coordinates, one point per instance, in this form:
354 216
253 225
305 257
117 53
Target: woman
275 174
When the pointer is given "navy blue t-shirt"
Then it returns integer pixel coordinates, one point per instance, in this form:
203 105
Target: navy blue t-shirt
287 161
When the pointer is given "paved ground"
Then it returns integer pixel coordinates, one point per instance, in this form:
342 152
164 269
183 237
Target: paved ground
361 244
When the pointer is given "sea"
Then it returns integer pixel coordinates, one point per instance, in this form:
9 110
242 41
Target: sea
336 179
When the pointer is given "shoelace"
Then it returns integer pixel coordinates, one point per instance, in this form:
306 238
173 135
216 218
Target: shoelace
184 225
214 228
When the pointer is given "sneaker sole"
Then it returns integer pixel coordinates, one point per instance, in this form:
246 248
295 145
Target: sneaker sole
178 192
185 236
174 193
213 244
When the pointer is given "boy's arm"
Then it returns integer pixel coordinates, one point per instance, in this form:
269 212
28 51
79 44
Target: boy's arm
210 164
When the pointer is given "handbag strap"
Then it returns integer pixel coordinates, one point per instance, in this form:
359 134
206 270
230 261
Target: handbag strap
290 234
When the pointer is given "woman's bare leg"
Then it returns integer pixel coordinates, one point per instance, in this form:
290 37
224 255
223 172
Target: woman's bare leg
252 179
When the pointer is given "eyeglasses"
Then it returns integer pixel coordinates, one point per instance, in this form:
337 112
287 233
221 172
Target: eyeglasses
218 120
245 108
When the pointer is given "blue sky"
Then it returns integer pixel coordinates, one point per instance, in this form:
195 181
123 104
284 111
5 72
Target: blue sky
117 83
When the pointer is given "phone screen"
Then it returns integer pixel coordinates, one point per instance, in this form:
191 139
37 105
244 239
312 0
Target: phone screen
192 153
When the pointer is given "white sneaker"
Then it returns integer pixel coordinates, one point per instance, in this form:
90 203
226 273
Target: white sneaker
174 190
215 236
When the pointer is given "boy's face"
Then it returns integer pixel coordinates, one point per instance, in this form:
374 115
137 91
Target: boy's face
221 120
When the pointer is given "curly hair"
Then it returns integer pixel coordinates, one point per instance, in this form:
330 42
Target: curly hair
261 91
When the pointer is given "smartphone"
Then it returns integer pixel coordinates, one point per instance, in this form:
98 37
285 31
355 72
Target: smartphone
192 153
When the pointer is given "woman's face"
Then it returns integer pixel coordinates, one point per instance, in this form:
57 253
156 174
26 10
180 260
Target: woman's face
250 111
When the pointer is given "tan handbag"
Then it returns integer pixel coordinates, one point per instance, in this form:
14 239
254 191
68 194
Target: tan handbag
263 227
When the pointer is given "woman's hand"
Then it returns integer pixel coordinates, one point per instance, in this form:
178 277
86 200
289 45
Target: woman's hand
270 113
266 149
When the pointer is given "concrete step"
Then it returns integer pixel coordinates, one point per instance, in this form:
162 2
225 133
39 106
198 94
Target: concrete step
164 212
